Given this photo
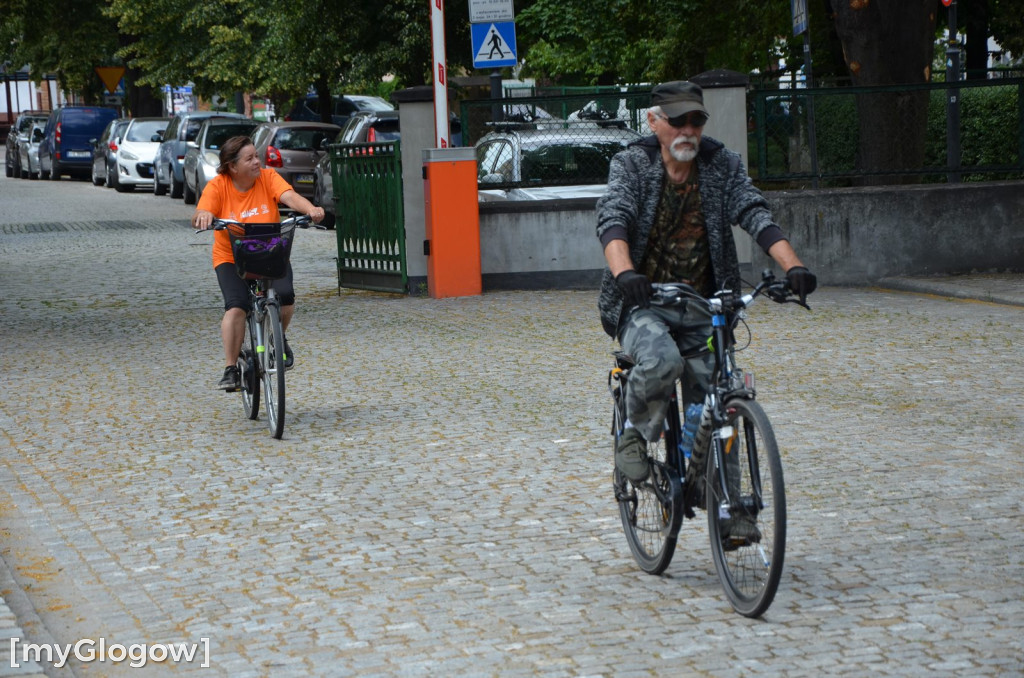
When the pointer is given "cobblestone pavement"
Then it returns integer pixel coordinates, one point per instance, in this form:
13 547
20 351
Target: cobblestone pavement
441 503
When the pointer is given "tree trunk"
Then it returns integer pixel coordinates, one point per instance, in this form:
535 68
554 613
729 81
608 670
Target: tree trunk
323 91
888 42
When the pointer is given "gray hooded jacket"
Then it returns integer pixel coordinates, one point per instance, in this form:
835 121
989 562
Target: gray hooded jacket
627 211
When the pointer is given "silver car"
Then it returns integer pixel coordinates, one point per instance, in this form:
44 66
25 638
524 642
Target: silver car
28 151
524 160
203 155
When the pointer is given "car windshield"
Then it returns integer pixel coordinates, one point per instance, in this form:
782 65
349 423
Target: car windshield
581 163
26 123
290 139
218 134
143 130
372 104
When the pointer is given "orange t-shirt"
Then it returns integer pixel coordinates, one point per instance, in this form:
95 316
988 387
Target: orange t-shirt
258 205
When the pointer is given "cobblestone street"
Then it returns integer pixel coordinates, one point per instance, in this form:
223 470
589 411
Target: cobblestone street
441 502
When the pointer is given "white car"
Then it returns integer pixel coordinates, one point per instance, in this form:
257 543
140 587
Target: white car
203 155
137 152
28 151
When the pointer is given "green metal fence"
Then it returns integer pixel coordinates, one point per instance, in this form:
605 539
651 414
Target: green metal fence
844 136
370 220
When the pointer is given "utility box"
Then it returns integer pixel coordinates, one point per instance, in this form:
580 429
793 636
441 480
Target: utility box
452 244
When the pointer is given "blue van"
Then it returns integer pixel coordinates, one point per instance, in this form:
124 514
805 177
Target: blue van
66 147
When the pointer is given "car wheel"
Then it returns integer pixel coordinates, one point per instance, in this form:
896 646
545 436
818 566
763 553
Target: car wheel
176 186
10 169
158 188
96 179
55 171
112 181
188 195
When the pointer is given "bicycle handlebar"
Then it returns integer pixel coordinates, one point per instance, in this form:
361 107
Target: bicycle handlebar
300 221
668 294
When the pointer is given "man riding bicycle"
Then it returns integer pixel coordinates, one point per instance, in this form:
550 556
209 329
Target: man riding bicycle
666 217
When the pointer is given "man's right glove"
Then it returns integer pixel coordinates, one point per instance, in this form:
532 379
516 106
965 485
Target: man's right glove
802 282
636 289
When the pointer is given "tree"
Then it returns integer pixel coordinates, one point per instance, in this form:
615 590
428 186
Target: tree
632 41
889 42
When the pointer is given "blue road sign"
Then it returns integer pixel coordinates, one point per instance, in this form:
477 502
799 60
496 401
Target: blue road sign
494 44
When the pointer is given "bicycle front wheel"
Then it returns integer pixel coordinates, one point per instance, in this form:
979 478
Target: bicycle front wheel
746 505
651 511
273 369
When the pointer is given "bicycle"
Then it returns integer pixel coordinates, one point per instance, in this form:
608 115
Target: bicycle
262 253
732 426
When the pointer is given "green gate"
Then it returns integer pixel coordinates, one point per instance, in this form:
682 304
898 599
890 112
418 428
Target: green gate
370 219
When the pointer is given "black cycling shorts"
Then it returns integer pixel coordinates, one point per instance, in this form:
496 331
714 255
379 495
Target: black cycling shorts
236 290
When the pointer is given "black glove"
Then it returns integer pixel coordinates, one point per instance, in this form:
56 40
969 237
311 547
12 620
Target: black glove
636 289
802 282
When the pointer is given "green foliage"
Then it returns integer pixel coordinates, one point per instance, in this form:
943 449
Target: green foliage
631 41
989 132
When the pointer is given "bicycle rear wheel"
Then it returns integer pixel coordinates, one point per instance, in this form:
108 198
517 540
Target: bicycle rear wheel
273 369
747 524
651 511
249 369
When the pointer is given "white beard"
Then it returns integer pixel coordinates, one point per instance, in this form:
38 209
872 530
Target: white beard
681 154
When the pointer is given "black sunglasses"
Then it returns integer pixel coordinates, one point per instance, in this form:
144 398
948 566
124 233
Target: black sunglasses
693 118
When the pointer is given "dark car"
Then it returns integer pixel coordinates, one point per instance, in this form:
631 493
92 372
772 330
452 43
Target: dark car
104 152
171 154
292 149
21 127
203 156
308 107
363 127
66 147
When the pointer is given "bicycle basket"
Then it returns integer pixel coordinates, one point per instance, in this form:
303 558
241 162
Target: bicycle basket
261 253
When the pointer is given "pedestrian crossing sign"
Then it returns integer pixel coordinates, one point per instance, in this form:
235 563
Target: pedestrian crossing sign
494 44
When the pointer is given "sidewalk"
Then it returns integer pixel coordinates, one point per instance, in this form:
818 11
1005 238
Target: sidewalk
998 288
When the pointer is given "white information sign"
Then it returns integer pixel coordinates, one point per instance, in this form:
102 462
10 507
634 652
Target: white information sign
486 11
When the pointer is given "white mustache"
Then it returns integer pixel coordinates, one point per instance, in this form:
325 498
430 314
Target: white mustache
684 154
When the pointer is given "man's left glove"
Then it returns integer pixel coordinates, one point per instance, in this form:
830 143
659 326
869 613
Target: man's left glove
802 282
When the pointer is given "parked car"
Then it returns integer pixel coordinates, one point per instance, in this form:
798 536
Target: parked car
524 159
28 152
182 129
362 127
21 128
104 150
203 155
65 148
293 149
136 153
308 107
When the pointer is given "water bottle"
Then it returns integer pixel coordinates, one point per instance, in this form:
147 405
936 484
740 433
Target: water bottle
691 420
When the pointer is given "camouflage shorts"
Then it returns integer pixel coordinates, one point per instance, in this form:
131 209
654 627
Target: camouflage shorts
646 335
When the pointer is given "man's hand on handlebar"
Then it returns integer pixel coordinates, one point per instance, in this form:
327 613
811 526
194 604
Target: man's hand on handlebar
802 282
636 288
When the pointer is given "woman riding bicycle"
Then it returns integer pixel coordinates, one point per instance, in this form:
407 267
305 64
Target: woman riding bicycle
666 217
245 192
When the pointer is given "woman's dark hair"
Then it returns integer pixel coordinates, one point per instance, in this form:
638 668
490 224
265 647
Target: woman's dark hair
230 151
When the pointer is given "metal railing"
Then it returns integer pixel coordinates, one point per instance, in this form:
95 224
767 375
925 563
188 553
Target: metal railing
885 135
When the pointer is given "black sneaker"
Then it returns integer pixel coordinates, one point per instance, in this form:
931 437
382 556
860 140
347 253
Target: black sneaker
232 380
289 359
739 531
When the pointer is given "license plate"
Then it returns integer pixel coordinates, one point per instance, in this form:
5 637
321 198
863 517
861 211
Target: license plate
304 178
78 154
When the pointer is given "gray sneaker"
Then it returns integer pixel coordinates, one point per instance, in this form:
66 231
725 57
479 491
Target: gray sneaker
631 456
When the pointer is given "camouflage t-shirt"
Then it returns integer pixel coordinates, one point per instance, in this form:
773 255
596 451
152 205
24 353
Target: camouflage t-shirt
677 250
